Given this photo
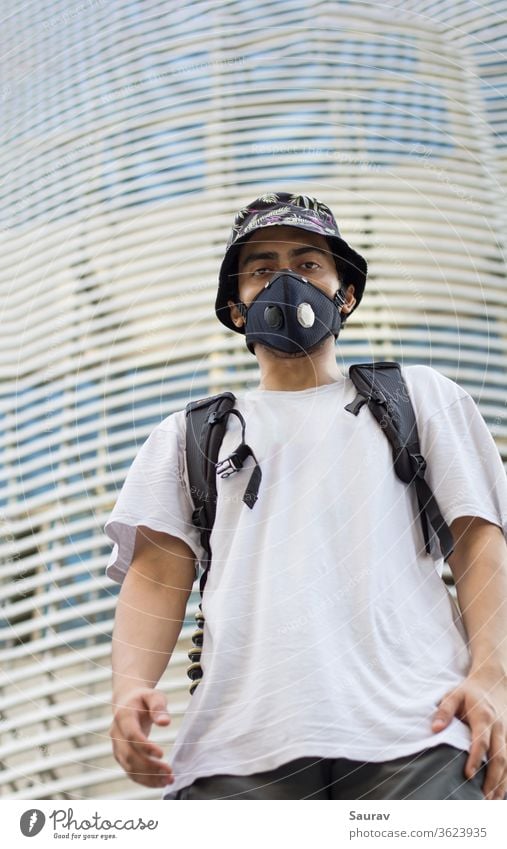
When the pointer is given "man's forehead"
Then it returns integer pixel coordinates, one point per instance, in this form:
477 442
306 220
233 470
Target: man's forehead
283 236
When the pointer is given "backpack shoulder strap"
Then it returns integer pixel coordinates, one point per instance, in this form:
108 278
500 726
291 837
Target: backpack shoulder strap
204 435
382 388
205 429
206 421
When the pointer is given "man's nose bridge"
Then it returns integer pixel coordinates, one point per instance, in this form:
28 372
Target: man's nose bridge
285 270
280 270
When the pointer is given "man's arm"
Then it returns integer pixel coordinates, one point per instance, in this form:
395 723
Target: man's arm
149 614
479 568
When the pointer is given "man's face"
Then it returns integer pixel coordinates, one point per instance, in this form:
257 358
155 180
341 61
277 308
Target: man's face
281 247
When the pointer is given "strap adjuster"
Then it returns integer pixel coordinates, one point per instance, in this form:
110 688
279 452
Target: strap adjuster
378 397
339 299
214 417
418 465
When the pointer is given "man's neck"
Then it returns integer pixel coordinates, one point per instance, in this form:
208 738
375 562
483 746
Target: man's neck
290 374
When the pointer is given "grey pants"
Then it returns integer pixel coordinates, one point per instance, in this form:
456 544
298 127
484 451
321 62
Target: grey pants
435 773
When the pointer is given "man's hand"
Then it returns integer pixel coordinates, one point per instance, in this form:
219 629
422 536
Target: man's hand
479 568
149 615
481 701
136 754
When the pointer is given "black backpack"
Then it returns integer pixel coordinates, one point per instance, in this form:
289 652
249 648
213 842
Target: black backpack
380 386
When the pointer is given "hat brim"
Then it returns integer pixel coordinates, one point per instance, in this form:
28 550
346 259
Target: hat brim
355 271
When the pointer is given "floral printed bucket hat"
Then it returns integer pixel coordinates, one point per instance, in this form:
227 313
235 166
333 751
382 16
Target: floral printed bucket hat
291 210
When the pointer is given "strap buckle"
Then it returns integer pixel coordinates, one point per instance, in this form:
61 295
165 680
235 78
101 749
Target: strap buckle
229 466
234 462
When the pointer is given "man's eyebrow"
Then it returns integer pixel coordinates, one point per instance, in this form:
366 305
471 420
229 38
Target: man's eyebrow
256 255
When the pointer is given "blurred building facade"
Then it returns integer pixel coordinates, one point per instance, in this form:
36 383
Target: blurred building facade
133 132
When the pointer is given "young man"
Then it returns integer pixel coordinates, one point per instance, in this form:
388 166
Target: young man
335 663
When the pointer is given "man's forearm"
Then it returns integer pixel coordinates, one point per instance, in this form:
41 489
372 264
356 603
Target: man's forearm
479 566
148 622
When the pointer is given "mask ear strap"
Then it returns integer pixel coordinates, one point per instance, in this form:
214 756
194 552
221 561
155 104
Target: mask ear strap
242 309
340 298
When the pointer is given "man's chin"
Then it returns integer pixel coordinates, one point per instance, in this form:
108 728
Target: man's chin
277 354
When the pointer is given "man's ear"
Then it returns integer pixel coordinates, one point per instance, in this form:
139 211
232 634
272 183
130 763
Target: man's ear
236 316
351 301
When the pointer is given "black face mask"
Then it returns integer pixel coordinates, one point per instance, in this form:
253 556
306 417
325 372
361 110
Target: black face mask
291 315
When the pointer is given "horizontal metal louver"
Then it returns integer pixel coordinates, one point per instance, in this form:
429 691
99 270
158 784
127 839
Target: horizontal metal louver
133 132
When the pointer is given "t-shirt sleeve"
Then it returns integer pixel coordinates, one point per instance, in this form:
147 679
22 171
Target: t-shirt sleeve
464 467
155 494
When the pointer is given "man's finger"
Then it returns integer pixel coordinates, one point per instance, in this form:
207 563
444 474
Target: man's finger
497 763
156 704
159 772
447 709
145 770
129 731
481 737
146 749
136 740
151 779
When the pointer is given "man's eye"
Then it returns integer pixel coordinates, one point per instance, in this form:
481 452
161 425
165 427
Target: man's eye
260 271
310 265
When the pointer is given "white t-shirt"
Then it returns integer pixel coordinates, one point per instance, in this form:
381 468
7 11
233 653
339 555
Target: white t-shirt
329 631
